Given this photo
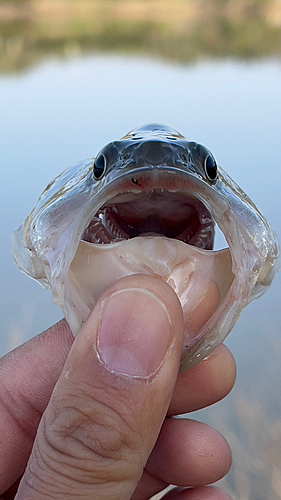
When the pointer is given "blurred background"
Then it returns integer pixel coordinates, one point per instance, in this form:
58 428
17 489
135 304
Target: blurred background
76 74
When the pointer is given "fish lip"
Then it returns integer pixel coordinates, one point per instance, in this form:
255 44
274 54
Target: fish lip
154 171
158 174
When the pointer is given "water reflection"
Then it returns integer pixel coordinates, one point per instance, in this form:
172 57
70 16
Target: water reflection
32 30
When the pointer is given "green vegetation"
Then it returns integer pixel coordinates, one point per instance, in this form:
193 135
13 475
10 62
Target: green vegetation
31 30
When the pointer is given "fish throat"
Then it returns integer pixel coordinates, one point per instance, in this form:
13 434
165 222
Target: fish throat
176 215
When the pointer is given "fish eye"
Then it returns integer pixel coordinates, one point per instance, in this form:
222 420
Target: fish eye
211 168
99 167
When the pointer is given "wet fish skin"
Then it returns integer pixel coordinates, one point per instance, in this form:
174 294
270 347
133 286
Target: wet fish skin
151 159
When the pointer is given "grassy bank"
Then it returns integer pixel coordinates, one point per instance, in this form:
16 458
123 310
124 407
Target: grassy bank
32 30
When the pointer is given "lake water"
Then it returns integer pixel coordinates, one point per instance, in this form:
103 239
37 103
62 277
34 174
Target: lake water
62 111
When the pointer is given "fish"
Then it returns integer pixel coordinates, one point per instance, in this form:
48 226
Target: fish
149 203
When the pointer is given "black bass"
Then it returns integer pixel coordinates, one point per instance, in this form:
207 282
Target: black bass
149 204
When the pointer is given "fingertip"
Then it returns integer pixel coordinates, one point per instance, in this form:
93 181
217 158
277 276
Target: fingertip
198 454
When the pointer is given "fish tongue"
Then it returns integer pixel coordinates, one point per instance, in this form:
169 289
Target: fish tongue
190 271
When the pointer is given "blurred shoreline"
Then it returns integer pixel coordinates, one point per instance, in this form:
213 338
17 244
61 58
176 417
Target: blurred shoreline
155 10
33 30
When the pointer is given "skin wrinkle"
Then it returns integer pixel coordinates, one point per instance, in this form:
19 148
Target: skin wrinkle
84 418
70 482
85 425
58 479
36 481
96 451
115 388
16 408
123 403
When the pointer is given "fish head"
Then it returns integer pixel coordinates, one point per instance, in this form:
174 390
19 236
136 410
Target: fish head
149 203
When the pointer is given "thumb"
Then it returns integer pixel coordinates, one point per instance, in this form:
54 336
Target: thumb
107 408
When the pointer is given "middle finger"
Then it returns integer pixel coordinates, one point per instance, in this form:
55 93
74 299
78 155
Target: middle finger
189 453
205 383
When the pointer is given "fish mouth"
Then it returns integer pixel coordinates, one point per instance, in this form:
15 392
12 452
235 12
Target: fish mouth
150 201
160 225
178 216
101 221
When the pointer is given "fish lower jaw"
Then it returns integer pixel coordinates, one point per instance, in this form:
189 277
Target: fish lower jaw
191 272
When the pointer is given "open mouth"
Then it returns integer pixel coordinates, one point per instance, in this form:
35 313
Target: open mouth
178 215
161 228
148 204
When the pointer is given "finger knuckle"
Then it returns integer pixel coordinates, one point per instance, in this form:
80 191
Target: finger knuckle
92 439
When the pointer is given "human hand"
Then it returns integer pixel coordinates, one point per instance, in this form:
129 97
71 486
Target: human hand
87 430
